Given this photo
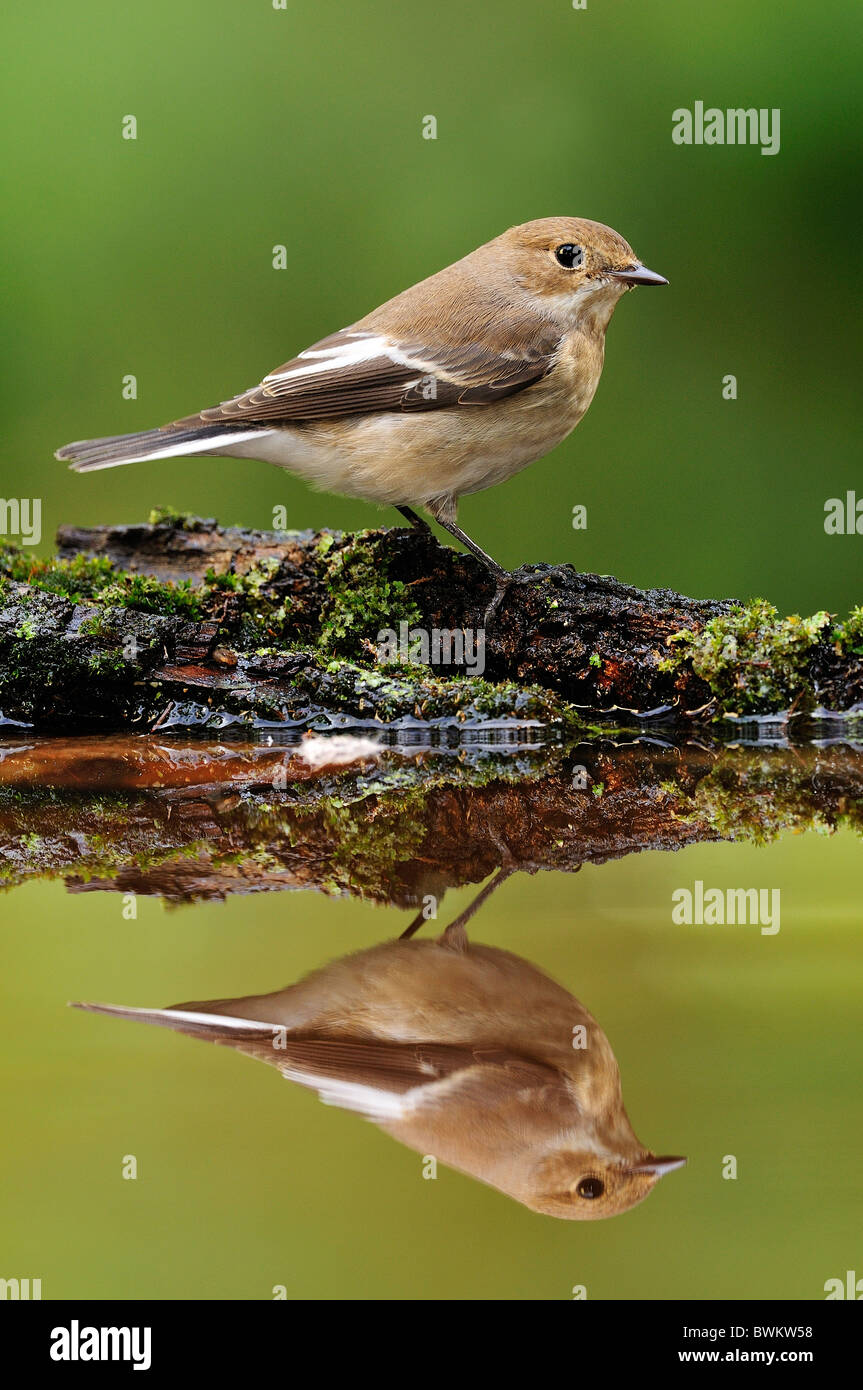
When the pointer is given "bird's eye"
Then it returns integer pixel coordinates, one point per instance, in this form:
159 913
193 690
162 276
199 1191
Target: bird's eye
589 1188
569 256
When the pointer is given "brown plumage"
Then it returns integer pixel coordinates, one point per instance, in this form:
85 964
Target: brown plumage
452 386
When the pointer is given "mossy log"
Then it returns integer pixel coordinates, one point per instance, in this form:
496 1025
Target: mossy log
183 820
181 622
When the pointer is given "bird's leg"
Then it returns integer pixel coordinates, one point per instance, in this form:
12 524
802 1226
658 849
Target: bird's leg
503 583
414 926
417 522
455 936
491 565
443 509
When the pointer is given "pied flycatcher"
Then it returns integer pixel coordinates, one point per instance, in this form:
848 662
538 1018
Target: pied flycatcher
451 387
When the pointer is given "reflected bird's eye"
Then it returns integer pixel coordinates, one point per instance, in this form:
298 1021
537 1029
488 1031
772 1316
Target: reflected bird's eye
569 256
590 1188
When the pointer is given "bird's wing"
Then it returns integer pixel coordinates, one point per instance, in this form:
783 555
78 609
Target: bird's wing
387 1081
381 1080
358 371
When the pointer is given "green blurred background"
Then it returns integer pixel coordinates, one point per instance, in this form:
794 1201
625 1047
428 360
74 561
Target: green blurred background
302 127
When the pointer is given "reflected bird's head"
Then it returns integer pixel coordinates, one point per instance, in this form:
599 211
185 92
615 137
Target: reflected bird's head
581 1186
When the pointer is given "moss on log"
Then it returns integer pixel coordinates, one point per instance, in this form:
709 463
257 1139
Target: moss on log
183 820
182 623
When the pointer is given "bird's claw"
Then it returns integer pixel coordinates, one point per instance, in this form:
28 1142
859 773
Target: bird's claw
504 582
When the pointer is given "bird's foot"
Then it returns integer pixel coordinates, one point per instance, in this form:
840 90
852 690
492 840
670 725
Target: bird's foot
504 581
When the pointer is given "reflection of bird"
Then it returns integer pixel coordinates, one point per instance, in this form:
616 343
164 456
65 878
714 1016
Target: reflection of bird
463 1052
451 387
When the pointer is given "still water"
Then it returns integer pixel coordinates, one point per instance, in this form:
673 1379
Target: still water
525 981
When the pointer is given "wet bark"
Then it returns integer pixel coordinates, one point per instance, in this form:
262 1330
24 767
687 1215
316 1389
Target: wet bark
285 626
593 640
182 820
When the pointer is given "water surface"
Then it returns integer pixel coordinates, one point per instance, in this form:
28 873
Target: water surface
148 871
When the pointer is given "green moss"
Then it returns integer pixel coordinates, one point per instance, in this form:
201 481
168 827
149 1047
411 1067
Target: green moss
849 635
95 579
387 695
148 595
362 828
756 797
332 624
169 516
362 598
79 579
107 664
367 850
250 585
754 661
90 836
264 612
97 626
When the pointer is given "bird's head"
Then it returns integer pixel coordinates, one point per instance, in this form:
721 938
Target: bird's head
570 265
584 1186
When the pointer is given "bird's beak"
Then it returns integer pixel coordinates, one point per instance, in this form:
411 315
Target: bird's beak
638 275
658 1167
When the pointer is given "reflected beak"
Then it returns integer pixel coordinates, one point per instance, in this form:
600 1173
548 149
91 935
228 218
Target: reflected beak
659 1166
638 275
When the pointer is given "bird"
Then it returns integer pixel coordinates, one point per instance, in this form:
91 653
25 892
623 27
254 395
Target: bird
460 1051
451 387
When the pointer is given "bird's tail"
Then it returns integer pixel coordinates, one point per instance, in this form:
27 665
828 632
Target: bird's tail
192 1019
87 455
